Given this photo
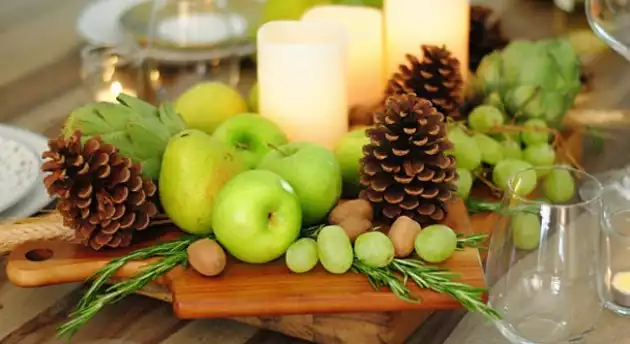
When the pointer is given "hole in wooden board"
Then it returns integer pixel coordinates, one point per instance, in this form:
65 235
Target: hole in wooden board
39 255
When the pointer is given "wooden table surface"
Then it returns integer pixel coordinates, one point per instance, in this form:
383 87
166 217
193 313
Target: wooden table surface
40 84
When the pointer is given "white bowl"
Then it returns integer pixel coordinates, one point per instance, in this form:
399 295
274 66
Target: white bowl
19 169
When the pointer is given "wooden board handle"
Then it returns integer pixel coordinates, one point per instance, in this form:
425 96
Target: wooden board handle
41 263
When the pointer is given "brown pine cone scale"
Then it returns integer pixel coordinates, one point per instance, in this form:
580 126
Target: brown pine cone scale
102 194
436 78
405 169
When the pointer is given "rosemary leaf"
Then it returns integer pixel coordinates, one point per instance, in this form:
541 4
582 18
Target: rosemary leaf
118 291
100 277
311 232
473 241
469 296
383 277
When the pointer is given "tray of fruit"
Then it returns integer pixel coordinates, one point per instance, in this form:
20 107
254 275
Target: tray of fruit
250 232
235 220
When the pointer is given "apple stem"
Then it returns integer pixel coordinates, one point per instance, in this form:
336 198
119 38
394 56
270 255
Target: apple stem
277 149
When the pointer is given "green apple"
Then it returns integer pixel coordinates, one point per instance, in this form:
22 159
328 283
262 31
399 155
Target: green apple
195 167
349 151
313 172
206 105
252 99
288 10
257 216
251 135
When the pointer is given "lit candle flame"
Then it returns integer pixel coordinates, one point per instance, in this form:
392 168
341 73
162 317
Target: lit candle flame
116 88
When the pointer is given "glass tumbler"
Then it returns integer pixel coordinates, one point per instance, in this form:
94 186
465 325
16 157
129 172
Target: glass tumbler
614 279
610 20
542 258
107 72
189 42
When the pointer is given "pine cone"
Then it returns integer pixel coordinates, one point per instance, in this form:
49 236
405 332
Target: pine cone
486 35
405 170
103 196
437 78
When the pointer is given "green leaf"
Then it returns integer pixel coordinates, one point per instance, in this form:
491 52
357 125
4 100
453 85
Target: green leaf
151 167
115 115
121 140
95 119
140 107
171 119
149 137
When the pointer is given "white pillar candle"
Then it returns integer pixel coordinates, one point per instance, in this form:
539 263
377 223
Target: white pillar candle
364 26
412 23
302 78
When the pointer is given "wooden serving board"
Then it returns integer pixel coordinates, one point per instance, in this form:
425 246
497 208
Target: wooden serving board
243 289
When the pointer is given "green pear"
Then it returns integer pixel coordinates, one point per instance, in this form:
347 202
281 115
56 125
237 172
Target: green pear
195 166
252 99
206 105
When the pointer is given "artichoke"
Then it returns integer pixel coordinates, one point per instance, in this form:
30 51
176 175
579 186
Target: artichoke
535 79
138 129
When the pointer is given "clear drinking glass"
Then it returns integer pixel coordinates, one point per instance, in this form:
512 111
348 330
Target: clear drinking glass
188 42
542 260
106 72
615 262
610 20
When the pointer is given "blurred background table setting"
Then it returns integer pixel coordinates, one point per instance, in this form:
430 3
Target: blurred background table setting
59 55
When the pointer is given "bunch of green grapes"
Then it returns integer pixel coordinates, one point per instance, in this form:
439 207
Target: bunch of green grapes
503 153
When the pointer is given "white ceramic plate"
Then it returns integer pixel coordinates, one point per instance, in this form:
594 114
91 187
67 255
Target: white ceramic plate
37 198
19 168
98 22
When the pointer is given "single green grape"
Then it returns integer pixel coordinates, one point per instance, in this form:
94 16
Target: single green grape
465 149
534 137
494 99
302 255
334 249
559 185
505 169
464 183
540 154
526 231
436 243
374 249
491 151
485 117
511 150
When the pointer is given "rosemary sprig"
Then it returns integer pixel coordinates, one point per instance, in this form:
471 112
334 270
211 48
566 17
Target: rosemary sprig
173 253
474 241
384 277
434 278
474 205
100 277
443 281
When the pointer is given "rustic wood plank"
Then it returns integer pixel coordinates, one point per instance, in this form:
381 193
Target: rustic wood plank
36 43
13 312
213 331
35 72
48 83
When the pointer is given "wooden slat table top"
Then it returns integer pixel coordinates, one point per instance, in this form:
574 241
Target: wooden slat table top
40 84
